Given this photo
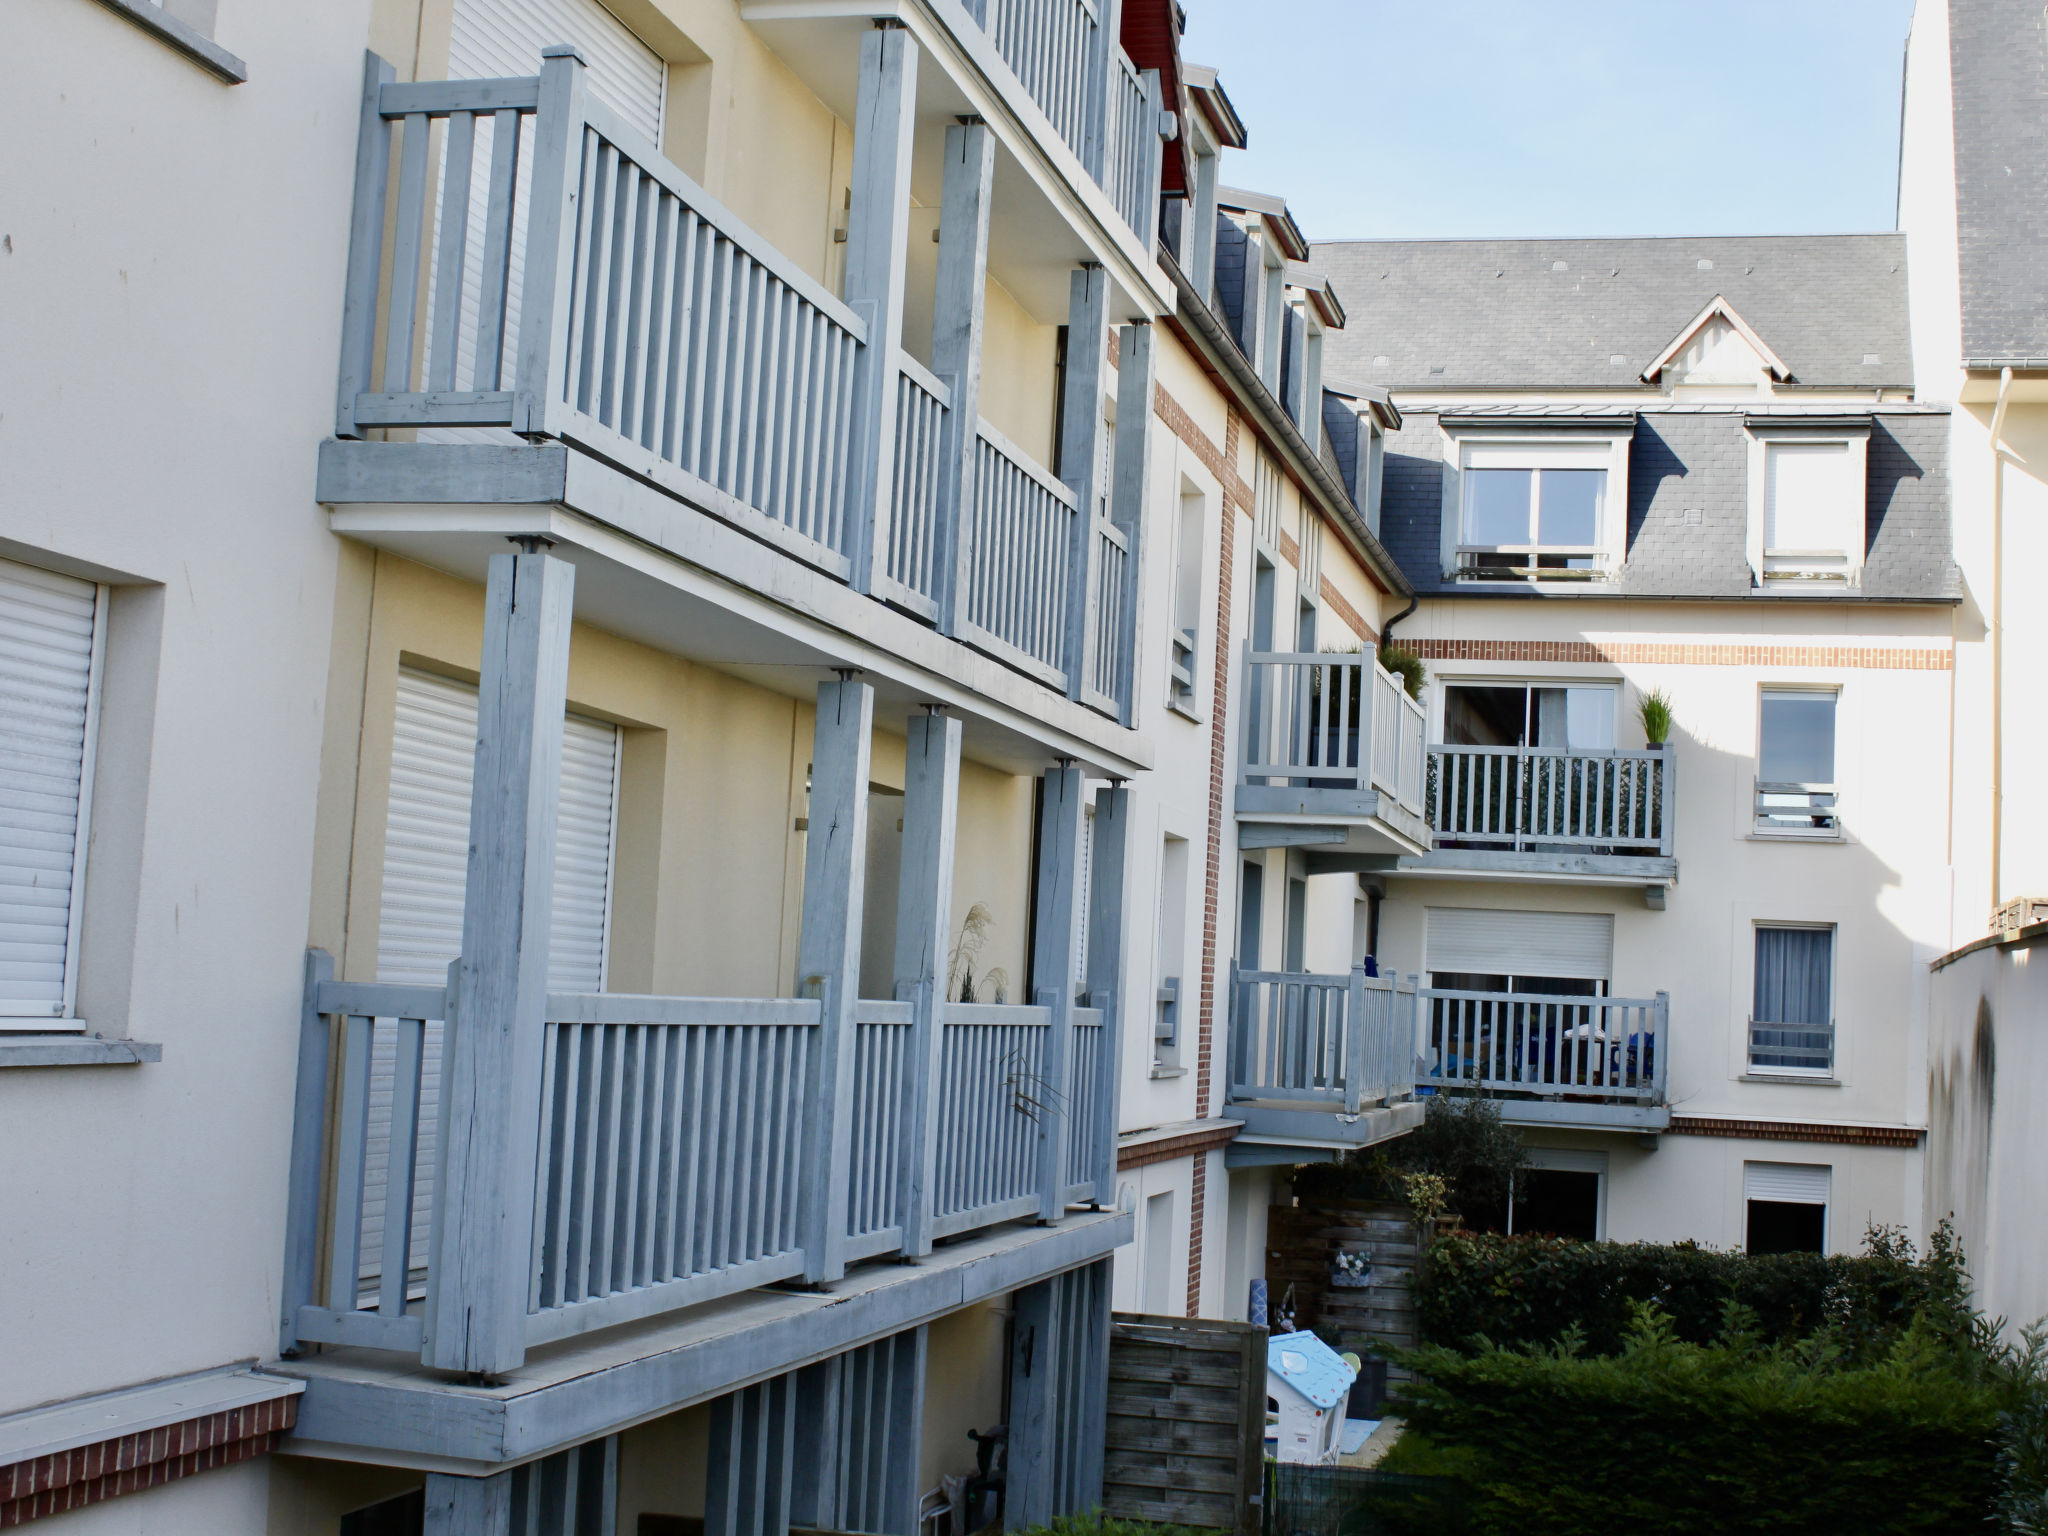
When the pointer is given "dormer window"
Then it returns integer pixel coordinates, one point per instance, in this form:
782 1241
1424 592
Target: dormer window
1537 512
1806 503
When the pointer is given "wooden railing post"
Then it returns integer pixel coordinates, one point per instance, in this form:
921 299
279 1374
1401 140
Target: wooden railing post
304 1186
1035 1331
491 1073
828 962
1062 823
1130 490
877 247
1154 141
365 247
924 908
1081 462
1667 795
1106 937
1100 86
1661 1047
958 299
550 273
1355 1055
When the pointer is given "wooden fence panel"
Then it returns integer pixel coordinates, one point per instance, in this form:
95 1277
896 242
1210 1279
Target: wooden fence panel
1187 1421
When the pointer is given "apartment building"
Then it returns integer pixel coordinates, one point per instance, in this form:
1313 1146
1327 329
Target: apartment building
661 717
1693 970
1970 185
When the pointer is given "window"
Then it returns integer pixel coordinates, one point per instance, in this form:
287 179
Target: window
52 643
1785 1207
187 26
1795 763
1266 500
1806 509
1556 953
1792 1020
1184 643
1531 512
1558 1192
1251 914
1568 716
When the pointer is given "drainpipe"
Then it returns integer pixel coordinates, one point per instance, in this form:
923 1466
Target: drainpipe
1998 452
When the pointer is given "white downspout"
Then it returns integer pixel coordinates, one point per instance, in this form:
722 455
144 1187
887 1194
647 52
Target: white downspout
1998 639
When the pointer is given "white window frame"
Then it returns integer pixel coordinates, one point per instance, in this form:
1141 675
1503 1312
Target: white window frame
1189 568
1833 1070
1757 826
1439 700
1827 1205
1805 571
1571 1160
67 1020
1522 448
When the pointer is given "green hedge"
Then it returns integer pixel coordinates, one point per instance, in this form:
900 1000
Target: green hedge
1478 1289
1666 1436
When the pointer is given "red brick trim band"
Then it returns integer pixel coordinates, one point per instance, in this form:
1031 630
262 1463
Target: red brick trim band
1165 1150
106 1469
1798 1130
1334 600
1891 658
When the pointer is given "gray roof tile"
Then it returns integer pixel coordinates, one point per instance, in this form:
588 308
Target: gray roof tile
1538 314
1998 60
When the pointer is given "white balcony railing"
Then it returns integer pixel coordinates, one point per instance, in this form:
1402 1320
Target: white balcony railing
1609 1048
1523 799
1330 720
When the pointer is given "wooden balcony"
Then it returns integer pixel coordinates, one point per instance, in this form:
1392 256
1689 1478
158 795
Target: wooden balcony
1333 760
1605 817
545 276
1591 1063
1329 1062
1319 1063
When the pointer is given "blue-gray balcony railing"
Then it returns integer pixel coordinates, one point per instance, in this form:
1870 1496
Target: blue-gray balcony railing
1550 799
1101 105
1605 1049
1332 720
543 269
1338 1042
673 1162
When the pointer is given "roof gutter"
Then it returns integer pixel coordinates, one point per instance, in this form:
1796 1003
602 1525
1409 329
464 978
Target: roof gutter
1194 314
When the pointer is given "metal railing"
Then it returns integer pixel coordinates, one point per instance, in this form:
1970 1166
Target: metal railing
1330 720
915 545
672 1147
1336 1041
1796 808
1110 665
1540 1043
1522 799
1775 1045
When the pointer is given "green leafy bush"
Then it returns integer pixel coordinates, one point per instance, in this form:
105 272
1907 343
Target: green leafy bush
1405 665
1462 1141
1670 1436
1099 1524
1479 1289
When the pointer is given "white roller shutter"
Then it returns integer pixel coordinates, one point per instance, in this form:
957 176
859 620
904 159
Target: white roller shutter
426 863
1575 945
1792 1183
1811 501
492 39
50 638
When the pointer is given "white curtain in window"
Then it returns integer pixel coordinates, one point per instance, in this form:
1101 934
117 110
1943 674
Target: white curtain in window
1810 499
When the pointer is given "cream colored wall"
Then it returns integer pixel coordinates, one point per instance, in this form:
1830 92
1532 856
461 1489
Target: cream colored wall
966 1365
1241 1248
310 1494
663 1466
1018 368
708 883
1136 1187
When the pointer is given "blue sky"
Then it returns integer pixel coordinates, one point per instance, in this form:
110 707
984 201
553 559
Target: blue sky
1449 118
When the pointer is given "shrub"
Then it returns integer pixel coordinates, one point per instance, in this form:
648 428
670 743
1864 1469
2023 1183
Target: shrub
1462 1141
2023 1441
1405 665
1099 1524
1670 1436
1533 1290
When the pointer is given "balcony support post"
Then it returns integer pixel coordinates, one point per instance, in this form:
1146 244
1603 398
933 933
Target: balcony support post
545 292
1106 980
1062 823
365 247
475 1319
469 1506
1080 429
1354 1041
924 920
958 301
1130 489
828 962
877 248
751 1461
1100 84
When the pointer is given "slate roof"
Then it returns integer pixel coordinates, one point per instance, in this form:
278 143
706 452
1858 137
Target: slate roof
1998 60
1532 314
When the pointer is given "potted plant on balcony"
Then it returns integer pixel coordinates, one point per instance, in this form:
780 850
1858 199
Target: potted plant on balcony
1654 710
1406 665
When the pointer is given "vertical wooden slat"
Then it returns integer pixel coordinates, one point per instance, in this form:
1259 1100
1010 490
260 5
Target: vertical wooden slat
444 332
395 1263
403 306
365 246
309 1134
493 281
351 1144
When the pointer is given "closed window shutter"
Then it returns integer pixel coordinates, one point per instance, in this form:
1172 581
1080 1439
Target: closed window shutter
492 39
1792 1183
48 633
1572 945
426 866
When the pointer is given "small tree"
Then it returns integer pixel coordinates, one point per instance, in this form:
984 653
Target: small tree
1464 1142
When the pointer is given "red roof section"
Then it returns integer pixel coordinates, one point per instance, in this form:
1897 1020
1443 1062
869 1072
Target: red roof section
1151 36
